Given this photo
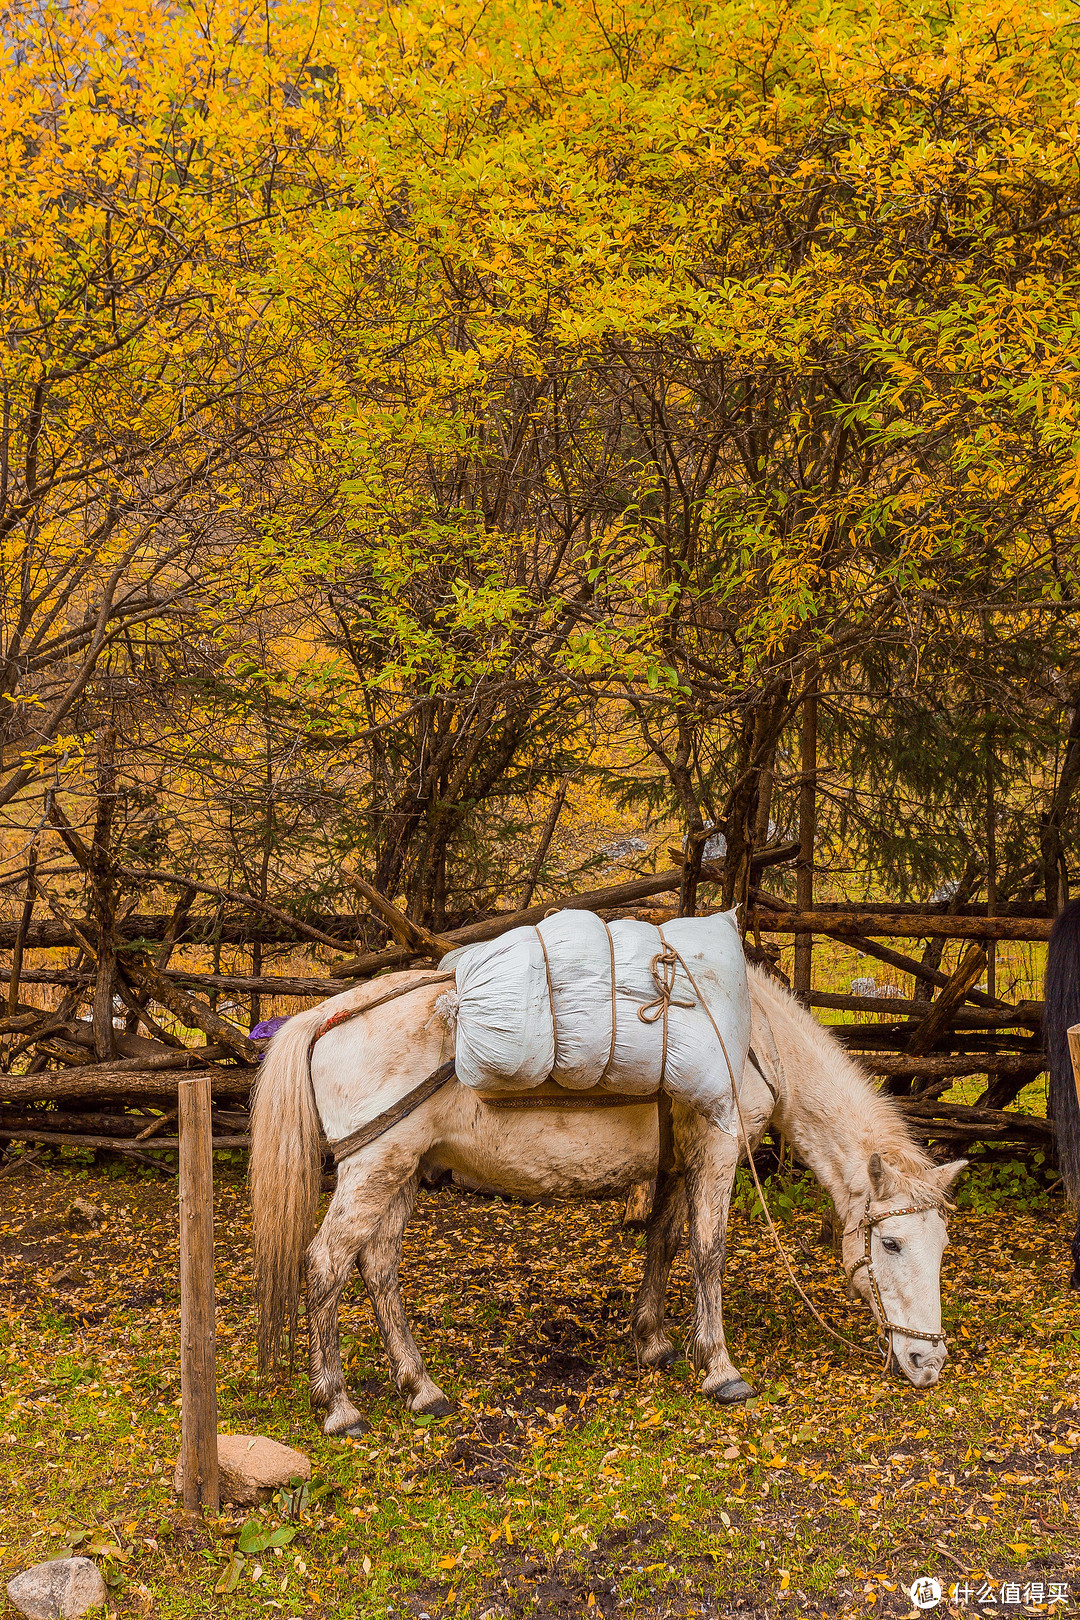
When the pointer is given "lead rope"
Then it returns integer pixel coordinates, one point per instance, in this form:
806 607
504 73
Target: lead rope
834 1333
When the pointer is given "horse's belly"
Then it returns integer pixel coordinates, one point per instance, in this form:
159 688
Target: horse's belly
578 1152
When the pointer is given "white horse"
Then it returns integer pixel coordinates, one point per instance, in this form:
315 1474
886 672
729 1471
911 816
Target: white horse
889 1195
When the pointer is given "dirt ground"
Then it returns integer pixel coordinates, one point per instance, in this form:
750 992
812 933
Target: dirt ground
567 1482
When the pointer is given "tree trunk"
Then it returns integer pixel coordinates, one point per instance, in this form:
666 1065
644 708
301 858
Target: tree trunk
804 870
1055 877
103 899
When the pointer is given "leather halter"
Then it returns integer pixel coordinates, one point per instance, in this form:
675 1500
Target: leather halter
866 1225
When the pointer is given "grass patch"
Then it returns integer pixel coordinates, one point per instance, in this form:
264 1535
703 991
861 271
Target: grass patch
566 1483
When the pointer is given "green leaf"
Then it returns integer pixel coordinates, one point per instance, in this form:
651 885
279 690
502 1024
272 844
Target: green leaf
253 1537
230 1575
281 1536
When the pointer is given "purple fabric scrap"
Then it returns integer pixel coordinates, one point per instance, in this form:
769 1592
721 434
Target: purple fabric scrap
268 1027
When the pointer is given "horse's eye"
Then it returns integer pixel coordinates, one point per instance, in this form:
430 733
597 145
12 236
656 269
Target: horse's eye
891 1245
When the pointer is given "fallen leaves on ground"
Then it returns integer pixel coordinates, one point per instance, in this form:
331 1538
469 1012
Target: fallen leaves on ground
568 1481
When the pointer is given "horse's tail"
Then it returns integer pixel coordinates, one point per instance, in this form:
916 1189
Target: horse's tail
285 1175
1062 992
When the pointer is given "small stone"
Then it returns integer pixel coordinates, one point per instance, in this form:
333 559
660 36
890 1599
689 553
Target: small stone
251 1467
62 1588
83 1213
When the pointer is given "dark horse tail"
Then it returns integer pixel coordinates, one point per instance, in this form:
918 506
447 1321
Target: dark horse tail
1062 1009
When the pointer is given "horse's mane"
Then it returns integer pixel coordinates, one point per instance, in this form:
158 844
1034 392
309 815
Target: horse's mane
830 1091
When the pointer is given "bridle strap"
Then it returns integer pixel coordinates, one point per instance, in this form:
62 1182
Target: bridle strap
866 1225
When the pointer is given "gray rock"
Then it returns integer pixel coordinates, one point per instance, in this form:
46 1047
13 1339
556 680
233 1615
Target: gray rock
62 1588
715 847
83 1213
251 1467
622 847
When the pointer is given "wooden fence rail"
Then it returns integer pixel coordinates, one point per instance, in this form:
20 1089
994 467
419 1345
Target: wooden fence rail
69 1095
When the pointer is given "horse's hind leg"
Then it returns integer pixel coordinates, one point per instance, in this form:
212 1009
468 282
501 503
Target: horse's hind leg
379 1260
330 1259
663 1232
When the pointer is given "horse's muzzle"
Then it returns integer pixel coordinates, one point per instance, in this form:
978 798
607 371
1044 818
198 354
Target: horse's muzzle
920 1363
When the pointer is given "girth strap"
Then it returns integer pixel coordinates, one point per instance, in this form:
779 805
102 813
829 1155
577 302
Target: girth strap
346 1146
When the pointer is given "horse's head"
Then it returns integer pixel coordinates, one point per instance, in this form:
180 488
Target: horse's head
894 1239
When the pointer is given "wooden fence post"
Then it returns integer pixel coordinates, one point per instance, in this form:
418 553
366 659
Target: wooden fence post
198 1380
1074 1053
804 870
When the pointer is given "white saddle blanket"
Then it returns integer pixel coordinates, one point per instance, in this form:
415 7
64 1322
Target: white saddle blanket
623 1008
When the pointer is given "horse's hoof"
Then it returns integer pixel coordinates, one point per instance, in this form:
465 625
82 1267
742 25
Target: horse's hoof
355 1430
732 1393
665 1357
439 1408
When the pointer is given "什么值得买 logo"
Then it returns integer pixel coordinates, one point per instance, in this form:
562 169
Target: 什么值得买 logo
926 1591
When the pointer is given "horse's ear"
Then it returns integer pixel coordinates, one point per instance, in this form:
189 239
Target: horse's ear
949 1174
882 1181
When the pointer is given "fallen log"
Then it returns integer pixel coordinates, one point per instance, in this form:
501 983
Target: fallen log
135 1126
1026 1013
137 1050
894 925
986 1124
200 928
285 919
267 984
114 1144
936 1066
112 1082
894 1038
917 908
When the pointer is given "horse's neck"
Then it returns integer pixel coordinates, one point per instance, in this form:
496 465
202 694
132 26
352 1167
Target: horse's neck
829 1112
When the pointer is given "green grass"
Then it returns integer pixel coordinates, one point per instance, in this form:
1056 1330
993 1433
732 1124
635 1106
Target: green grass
566 1482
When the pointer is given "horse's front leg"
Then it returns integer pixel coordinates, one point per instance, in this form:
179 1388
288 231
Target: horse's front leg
663 1232
710 1157
379 1262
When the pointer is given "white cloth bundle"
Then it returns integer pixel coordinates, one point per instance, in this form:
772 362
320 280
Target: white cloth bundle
538 1004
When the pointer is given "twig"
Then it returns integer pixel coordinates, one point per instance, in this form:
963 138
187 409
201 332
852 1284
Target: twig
23 1158
110 1144
545 841
156 1125
945 1553
20 937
